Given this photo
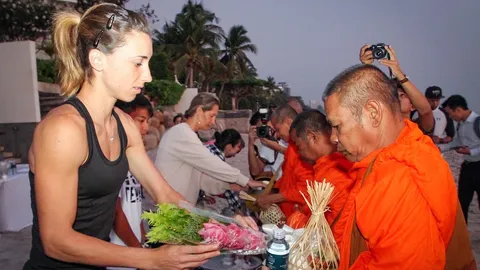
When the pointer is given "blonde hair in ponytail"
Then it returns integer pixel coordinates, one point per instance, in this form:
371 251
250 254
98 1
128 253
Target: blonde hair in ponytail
65 35
74 36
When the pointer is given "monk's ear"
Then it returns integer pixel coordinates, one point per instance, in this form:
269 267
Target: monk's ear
311 136
373 112
288 121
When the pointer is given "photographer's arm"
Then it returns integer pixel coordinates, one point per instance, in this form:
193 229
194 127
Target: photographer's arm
418 100
273 145
255 165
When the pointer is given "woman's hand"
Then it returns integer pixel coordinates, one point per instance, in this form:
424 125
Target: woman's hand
255 184
237 188
246 222
173 257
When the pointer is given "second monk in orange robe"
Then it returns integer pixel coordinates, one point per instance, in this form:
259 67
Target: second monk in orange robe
311 133
295 171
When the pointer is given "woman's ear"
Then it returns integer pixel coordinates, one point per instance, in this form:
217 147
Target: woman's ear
97 60
199 110
228 148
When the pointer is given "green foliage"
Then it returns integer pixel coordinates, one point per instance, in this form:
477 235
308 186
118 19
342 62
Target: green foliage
173 225
24 20
249 82
165 92
159 67
46 71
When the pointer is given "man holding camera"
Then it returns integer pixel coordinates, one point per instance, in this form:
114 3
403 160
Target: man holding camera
268 157
410 97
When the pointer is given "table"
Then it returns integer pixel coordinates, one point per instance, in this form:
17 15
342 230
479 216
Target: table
15 208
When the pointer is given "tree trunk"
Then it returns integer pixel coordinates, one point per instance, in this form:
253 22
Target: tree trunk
234 103
221 91
190 76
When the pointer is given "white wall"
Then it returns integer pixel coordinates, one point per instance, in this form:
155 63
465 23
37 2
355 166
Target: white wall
185 100
18 83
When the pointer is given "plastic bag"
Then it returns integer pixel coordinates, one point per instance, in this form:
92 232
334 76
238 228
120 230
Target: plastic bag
191 225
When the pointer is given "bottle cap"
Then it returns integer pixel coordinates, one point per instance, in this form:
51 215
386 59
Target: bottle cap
279 234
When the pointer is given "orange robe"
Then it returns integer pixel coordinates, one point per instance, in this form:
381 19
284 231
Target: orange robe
295 173
405 209
334 168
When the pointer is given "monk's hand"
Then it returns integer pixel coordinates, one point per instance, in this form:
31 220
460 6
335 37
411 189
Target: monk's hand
463 150
246 222
366 56
255 184
264 201
393 63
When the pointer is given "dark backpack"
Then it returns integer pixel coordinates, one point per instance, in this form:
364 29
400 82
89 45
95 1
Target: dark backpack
476 126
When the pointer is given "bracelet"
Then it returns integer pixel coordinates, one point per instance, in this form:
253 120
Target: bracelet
404 80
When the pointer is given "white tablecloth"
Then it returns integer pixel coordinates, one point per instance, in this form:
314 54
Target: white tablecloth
15 208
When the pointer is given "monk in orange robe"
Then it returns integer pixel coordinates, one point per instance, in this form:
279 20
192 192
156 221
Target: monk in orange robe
403 208
295 171
311 133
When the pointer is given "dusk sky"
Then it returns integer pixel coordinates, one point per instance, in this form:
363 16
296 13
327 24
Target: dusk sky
306 43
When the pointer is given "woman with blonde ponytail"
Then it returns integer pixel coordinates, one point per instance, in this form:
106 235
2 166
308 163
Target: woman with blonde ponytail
82 150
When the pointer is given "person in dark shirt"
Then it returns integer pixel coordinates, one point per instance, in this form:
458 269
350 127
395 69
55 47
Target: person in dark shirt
82 150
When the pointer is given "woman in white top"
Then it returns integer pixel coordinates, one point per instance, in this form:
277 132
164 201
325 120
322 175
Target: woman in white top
187 164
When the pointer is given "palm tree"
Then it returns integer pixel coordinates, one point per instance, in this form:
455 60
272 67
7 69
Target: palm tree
239 67
237 45
191 38
211 70
271 85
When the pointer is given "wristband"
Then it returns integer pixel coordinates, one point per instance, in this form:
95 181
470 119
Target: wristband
404 80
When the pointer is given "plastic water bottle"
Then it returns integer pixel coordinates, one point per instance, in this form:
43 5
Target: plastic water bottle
277 251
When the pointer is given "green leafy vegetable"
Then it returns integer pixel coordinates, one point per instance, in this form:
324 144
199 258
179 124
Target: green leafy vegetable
173 225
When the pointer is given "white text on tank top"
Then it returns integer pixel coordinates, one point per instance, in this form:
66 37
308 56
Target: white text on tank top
131 195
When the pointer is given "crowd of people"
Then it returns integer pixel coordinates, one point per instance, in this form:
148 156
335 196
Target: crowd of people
379 143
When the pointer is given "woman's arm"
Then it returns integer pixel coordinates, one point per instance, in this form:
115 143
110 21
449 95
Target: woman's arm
59 148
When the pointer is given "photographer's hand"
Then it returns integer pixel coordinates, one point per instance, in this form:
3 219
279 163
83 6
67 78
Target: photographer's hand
366 57
393 63
252 135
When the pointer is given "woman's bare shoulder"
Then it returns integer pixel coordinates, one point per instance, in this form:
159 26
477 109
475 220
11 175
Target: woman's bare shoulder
64 124
64 116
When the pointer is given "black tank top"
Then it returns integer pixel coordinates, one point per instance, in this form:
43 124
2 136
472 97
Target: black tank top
99 182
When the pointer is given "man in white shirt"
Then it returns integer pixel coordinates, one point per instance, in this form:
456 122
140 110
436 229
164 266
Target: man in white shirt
128 227
467 143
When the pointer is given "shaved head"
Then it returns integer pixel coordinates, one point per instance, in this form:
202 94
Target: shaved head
310 121
283 113
360 83
296 104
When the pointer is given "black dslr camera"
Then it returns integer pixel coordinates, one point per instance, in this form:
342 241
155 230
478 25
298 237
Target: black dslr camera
263 131
379 51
